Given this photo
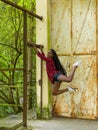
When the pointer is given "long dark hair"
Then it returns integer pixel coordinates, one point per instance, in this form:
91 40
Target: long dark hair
57 62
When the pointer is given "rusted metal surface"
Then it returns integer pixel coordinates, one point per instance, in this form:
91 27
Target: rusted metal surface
41 92
25 71
6 69
97 52
73 31
25 12
17 126
30 44
33 44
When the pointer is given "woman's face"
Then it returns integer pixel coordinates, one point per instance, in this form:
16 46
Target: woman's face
49 54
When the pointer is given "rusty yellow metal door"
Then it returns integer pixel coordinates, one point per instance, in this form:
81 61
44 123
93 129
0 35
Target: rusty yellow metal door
73 36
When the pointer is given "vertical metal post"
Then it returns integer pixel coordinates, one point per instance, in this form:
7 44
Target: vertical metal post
41 88
97 56
25 70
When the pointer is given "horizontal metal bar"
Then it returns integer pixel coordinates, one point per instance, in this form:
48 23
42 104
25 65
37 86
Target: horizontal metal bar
20 87
31 44
23 9
8 69
17 126
9 105
6 86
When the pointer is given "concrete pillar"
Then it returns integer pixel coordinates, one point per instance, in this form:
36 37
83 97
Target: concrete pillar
43 37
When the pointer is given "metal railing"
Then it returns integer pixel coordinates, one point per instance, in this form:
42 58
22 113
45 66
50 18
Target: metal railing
25 12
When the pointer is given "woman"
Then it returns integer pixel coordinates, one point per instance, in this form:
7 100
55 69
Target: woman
55 71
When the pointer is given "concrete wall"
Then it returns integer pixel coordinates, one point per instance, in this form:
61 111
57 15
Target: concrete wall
43 37
69 27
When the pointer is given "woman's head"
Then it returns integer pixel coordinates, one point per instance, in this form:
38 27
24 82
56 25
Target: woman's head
51 53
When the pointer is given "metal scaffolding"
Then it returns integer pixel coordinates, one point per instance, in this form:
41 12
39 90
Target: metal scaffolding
25 12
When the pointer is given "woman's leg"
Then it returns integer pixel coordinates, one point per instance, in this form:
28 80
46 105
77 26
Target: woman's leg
56 91
63 78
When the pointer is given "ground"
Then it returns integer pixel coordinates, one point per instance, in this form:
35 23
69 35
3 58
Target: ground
62 124
55 123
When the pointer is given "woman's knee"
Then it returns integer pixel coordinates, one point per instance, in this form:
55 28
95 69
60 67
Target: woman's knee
54 93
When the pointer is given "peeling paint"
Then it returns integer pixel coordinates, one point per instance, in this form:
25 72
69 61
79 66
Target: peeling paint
79 18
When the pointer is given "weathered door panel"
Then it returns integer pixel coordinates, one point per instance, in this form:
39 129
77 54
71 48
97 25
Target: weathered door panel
84 26
60 27
73 36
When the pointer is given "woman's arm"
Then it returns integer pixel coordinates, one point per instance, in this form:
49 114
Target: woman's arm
41 48
42 56
40 53
35 48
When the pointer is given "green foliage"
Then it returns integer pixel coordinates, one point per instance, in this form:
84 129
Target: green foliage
28 4
5 111
11 52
